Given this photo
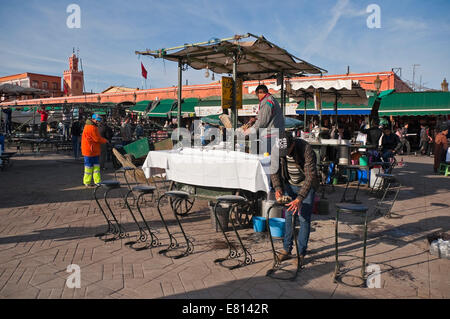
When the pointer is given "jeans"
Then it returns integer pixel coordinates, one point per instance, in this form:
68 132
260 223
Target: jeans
408 146
387 155
43 129
304 218
8 127
76 146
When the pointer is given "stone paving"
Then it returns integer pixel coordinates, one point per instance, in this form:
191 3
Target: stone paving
48 221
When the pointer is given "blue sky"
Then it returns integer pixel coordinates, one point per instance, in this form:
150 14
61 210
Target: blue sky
328 33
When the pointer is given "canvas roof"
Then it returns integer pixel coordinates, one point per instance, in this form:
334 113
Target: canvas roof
257 59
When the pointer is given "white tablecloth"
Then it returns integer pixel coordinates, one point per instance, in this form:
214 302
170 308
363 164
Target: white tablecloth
213 168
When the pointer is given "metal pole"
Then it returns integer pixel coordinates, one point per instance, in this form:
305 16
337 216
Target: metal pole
180 84
34 119
336 107
304 115
233 107
283 100
320 110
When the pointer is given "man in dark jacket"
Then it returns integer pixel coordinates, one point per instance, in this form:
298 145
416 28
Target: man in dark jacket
107 133
8 121
76 131
373 134
294 174
390 144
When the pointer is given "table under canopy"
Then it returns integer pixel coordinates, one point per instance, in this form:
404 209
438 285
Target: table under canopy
212 168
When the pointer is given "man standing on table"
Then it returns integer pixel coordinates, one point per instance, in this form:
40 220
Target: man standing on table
269 116
294 174
43 126
90 148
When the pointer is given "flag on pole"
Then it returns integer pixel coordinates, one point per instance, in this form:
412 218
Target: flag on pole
144 71
66 88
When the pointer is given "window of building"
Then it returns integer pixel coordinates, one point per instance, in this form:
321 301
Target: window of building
55 86
45 85
35 84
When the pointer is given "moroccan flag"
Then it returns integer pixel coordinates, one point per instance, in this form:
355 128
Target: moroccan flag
144 71
66 88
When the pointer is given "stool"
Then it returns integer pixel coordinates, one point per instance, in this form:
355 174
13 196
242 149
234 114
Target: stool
114 227
276 260
351 208
142 190
385 204
386 178
124 170
233 201
177 198
350 168
444 169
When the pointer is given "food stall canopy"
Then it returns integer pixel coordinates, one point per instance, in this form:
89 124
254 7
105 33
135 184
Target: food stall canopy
187 107
348 91
162 108
415 104
16 90
141 106
256 60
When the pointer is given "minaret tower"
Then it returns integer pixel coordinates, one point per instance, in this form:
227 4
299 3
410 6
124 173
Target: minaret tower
73 79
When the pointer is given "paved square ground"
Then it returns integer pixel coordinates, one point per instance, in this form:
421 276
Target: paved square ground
48 221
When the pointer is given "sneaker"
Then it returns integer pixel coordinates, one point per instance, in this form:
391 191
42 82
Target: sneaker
283 255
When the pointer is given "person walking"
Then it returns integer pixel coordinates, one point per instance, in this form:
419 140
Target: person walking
126 132
404 140
90 148
294 174
76 131
43 126
8 121
107 133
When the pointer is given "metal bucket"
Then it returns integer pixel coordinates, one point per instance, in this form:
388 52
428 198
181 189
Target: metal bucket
222 215
275 212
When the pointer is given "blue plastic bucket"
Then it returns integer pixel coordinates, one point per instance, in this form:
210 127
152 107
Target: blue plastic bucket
259 224
276 226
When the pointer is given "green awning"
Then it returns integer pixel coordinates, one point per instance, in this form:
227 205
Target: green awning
415 103
162 109
395 104
209 102
187 107
141 106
